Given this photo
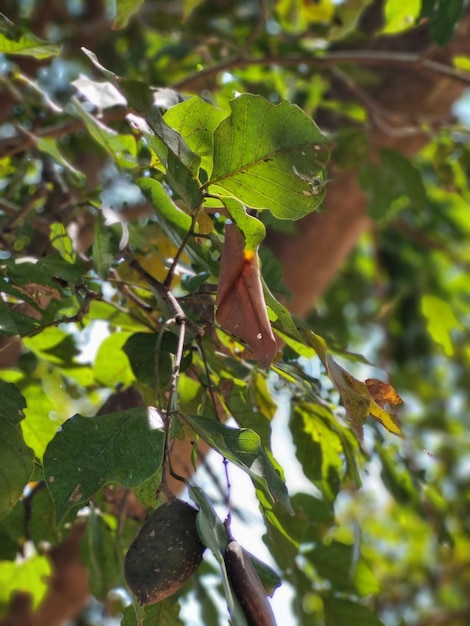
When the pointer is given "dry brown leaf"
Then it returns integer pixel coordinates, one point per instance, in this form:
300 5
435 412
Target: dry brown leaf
241 307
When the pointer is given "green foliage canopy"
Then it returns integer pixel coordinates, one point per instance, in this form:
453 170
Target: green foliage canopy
116 197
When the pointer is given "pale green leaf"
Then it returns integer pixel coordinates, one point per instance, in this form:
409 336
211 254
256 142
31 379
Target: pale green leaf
269 157
31 576
111 366
16 40
196 121
441 321
400 16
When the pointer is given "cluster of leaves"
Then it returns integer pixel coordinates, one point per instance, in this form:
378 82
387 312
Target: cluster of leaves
209 174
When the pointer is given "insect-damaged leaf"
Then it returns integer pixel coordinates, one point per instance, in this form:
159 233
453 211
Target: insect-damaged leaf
241 308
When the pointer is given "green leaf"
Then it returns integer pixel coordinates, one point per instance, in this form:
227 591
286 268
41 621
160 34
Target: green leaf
196 121
121 147
342 612
99 555
214 535
318 447
441 321
400 16
148 366
39 427
105 248
164 613
111 366
88 452
17 465
164 205
17 40
140 97
125 9
243 448
48 145
31 576
12 403
444 20
252 229
270 157
61 241
334 562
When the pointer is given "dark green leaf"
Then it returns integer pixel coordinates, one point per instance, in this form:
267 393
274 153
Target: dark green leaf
444 20
243 447
342 612
88 452
17 464
12 403
318 447
105 248
99 555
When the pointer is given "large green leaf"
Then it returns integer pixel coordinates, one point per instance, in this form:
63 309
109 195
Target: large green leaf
17 465
243 448
88 452
270 157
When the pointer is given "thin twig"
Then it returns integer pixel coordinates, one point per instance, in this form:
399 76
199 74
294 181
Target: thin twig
328 59
167 296
176 258
172 392
209 384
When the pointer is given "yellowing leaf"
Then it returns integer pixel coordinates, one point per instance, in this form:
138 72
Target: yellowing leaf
382 393
359 402
318 11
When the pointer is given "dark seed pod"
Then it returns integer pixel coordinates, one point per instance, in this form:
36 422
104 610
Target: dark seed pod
165 553
247 586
